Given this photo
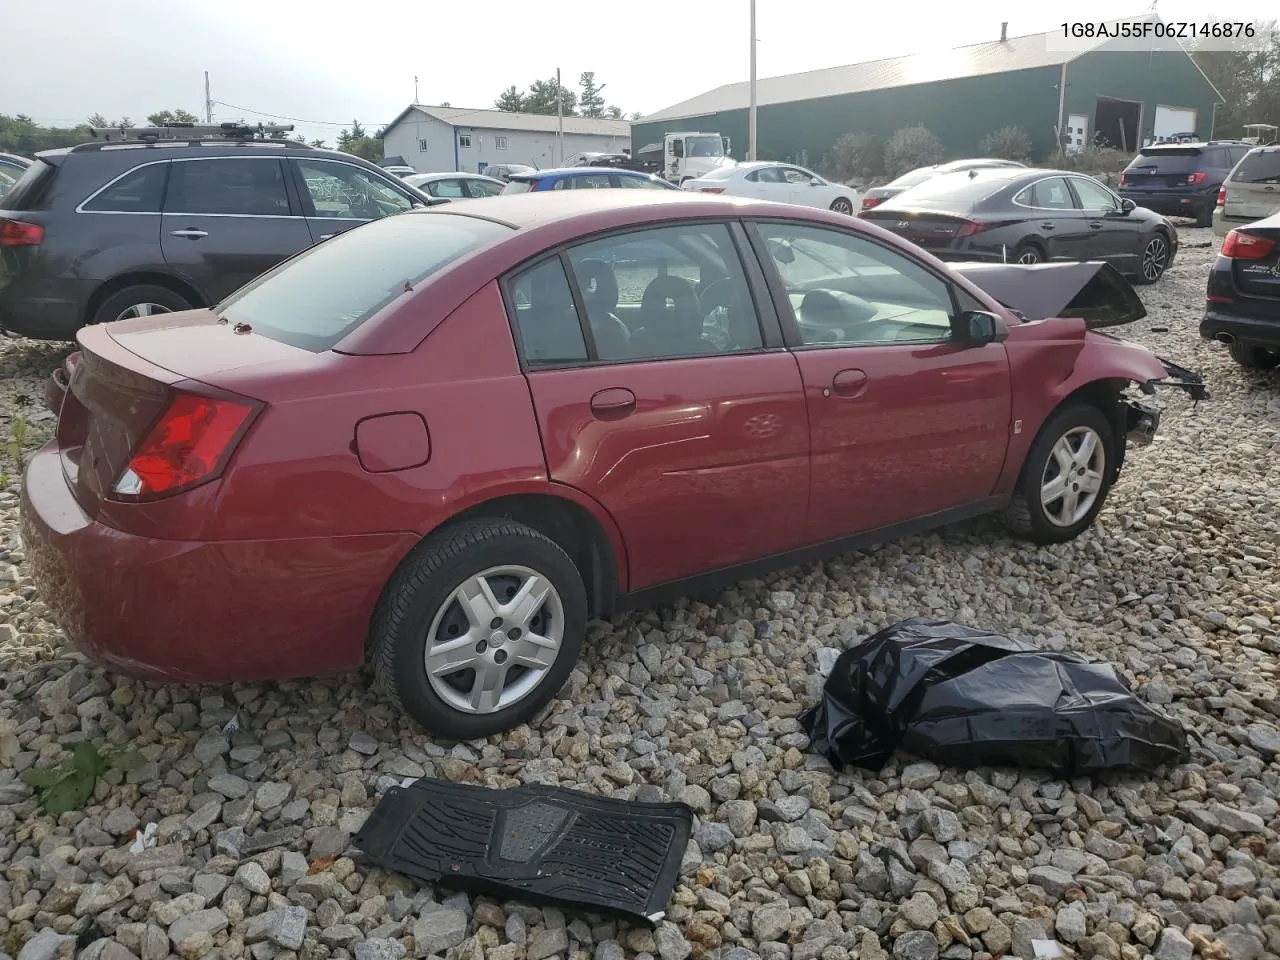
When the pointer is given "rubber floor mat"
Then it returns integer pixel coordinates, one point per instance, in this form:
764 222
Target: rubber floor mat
533 843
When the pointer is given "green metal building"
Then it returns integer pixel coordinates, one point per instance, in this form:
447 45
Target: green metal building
1119 98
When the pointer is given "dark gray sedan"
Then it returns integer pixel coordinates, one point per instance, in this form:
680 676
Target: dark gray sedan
874 196
1030 216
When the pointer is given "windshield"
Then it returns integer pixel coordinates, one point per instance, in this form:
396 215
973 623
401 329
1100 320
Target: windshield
720 173
1258 166
1168 160
950 191
518 186
315 299
703 147
26 193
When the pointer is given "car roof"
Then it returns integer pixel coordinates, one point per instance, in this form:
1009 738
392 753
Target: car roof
580 171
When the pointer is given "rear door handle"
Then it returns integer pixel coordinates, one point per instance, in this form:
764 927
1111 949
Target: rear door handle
328 236
190 233
1095 225
613 403
1047 226
848 383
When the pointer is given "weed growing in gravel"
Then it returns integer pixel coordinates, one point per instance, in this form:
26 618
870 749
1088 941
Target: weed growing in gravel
69 785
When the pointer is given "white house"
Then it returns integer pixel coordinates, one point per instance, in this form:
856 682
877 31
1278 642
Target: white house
440 139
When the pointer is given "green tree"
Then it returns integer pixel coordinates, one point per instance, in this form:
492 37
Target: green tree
21 135
542 98
857 155
97 120
1249 81
614 113
1008 143
320 143
591 101
165 117
637 115
357 141
511 100
911 147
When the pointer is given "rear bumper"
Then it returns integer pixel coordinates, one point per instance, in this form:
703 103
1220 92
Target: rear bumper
41 318
1251 330
1173 203
200 612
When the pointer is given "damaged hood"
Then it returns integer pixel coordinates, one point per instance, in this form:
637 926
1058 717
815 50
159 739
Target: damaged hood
1094 292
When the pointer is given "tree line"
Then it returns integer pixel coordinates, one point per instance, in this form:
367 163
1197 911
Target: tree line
543 96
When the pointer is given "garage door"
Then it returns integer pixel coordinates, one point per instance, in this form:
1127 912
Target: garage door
1171 121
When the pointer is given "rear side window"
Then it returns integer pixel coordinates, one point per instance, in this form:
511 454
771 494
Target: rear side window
318 297
243 186
139 191
518 186
1258 166
30 190
1169 160
546 319
953 191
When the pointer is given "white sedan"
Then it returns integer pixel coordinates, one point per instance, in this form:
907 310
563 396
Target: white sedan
784 182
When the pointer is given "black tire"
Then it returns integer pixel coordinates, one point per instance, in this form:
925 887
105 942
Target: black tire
842 205
1204 217
1255 358
130 297
1027 515
422 589
1029 248
1156 250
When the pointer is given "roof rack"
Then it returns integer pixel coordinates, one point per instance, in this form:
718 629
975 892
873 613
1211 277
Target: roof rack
191 131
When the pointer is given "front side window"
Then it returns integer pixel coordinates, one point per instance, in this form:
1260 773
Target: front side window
796 175
345 192
593 181
666 292
640 183
447 188
483 188
766 175
138 191
845 290
230 186
1094 196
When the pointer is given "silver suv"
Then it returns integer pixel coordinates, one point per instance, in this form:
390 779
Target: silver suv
1251 191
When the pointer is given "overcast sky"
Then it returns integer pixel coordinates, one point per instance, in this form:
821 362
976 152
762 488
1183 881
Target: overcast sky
323 63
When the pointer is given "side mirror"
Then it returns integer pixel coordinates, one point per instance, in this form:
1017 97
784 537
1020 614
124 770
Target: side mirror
977 328
1127 205
781 251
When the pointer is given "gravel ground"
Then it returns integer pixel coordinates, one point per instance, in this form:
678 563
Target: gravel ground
1177 585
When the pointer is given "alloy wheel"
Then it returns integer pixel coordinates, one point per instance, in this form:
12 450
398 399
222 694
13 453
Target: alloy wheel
1029 255
1154 258
142 310
494 639
1073 476
842 206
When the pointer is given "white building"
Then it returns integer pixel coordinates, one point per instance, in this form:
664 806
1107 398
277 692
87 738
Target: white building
440 139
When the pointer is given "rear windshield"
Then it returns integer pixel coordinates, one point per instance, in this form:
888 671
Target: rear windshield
720 173
1169 160
951 191
28 193
518 186
914 177
315 299
1258 166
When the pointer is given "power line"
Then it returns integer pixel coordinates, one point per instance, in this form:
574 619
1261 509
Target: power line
281 116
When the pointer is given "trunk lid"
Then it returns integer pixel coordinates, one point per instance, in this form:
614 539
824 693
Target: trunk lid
1261 277
1094 292
930 229
1158 169
1253 189
126 376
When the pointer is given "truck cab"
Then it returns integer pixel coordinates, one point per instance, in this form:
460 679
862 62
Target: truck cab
686 155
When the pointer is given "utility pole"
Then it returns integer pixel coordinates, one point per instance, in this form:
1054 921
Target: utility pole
560 116
415 90
208 101
751 113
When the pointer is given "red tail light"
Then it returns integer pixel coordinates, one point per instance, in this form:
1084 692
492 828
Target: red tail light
19 233
1197 177
869 202
1121 180
1246 246
711 189
1222 196
969 228
188 446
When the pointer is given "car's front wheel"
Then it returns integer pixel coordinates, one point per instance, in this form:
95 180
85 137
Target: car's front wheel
1255 358
479 629
1066 476
842 205
1155 258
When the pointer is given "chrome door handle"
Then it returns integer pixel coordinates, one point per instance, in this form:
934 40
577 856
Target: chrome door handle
1046 226
328 236
190 234
1095 225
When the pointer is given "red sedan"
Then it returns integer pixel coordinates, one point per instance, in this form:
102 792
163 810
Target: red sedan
446 439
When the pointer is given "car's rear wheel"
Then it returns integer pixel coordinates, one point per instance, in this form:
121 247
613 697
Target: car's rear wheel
143 300
842 205
479 629
1028 252
1066 476
1255 358
1155 258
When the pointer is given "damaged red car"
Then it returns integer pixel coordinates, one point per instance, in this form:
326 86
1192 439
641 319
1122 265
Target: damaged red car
445 440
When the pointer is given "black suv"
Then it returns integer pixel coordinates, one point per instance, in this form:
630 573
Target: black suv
166 219
1181 179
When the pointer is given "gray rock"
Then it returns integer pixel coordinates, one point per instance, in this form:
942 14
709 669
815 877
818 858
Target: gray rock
671 942
1264 738
438 930
285 927
916 945
293 867
1052 880
271 795
1236 882
1173 945
229 785
193 933
329 842
253 878
379 948
46 945
943 824
712 836
770 921
363 743
919 776
547 943
921 911
1071 924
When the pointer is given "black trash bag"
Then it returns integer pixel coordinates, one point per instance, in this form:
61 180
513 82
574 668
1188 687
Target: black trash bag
969 698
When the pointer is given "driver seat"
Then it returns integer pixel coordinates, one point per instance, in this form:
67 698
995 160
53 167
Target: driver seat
671 320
